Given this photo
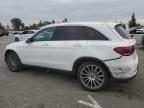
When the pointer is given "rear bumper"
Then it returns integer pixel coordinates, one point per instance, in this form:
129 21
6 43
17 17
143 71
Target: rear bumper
125 68
131 76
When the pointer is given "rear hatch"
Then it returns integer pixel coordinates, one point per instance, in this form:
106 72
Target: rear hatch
126 45
125 48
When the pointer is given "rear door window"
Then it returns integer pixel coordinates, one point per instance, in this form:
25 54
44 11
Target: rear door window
93 34
122 32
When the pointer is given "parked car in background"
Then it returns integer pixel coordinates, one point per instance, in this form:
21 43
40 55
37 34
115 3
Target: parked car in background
138 35
139 31
24 35
4 33
16 32
95 52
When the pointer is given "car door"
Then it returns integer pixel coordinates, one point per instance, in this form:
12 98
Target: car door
37 52
68 43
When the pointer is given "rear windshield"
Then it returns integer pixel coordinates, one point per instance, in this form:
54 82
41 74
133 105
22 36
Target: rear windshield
122 32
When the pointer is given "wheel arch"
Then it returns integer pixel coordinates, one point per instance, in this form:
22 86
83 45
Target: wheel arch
85 59
7 52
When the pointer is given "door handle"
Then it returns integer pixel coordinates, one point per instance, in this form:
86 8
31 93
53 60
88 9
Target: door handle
45 44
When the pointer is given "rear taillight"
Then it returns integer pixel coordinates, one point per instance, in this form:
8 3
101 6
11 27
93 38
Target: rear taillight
125 51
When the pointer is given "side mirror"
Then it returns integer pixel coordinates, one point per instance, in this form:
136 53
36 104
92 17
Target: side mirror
29 40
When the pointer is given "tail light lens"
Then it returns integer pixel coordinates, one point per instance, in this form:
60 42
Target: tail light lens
125 51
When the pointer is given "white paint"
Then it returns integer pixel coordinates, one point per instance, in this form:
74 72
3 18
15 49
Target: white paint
61 55
94 103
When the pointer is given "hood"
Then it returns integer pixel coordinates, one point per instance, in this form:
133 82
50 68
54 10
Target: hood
15 44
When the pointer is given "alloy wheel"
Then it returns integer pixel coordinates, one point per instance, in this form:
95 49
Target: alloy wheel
92 76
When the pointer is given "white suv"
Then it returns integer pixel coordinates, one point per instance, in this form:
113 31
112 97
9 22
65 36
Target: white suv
95 52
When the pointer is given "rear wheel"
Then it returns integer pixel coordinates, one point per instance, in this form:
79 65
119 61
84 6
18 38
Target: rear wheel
13 62
92 76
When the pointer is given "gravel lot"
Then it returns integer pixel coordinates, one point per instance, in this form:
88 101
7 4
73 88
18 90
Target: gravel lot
38 88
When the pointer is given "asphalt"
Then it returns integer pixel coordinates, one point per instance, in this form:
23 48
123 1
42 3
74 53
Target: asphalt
39 88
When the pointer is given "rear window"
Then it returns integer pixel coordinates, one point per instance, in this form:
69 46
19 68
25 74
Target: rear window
122 32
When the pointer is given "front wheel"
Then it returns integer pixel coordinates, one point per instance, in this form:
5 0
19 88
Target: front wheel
92 76
13 62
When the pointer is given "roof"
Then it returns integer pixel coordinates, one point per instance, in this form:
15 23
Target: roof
80 24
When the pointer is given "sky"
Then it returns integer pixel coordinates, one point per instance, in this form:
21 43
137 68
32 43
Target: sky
31 11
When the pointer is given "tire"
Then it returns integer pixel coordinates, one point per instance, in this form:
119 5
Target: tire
92 76
13 62
16 39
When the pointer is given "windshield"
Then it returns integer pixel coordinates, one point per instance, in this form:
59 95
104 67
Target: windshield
122 32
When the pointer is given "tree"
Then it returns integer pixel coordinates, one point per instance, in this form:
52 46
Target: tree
22 26
7 28
40 24
33 26
1 27
65 20
53 22
132 22
46 23
27 28
16 23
